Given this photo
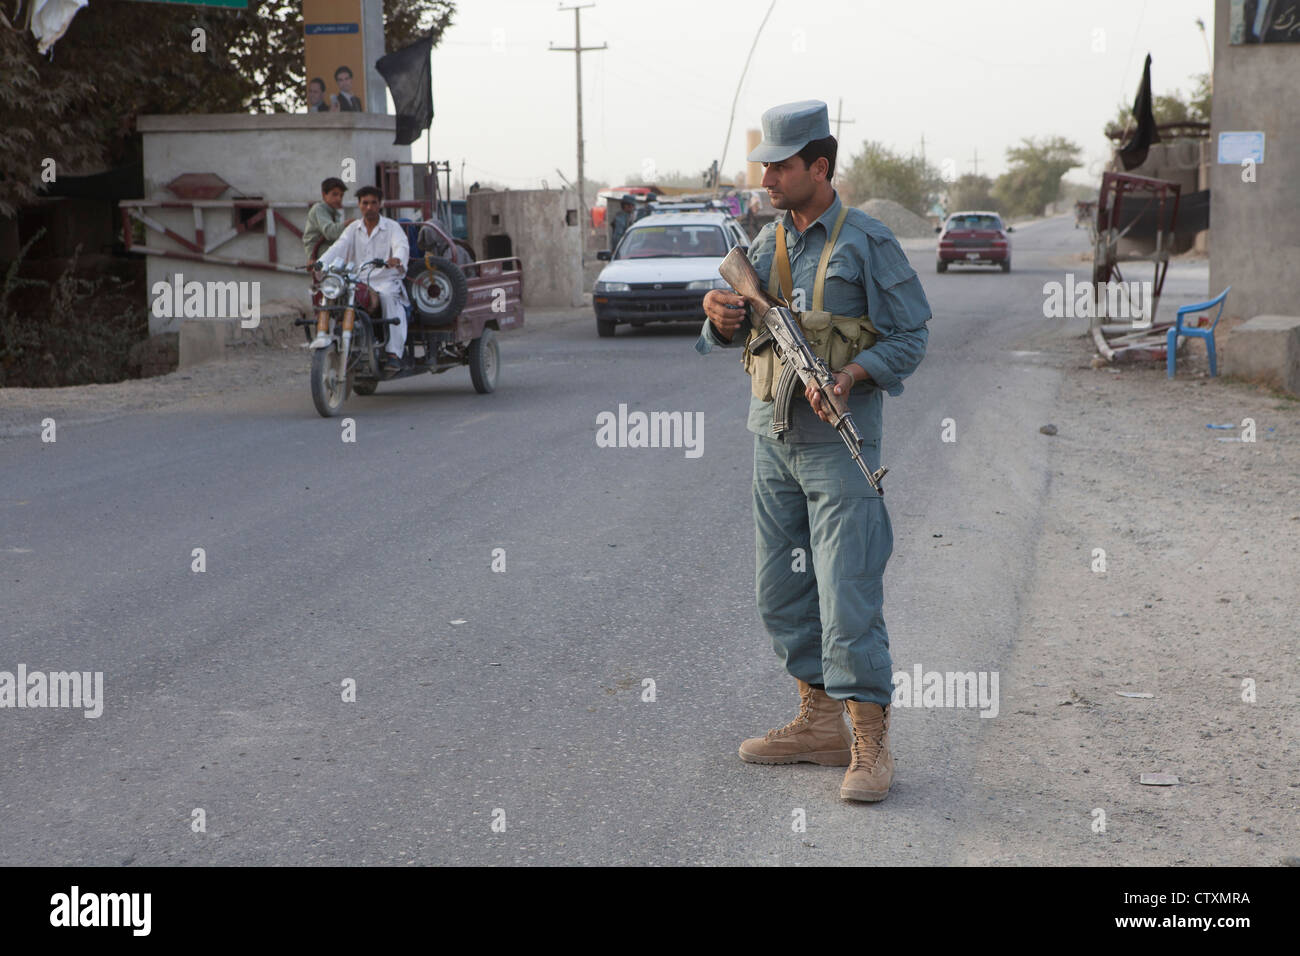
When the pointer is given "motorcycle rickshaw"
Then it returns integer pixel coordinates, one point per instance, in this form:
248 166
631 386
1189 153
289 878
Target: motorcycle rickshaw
457 307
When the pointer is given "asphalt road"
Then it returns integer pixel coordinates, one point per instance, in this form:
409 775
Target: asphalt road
328 561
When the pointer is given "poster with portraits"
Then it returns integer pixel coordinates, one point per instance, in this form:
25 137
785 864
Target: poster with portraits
334 55
1263 21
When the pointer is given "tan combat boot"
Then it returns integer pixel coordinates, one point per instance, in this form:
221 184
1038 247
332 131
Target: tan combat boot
817 735
872 771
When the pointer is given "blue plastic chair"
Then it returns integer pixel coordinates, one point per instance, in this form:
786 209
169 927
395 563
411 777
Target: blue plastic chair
1171 341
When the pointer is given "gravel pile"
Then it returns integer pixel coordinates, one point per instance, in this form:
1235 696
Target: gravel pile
904 223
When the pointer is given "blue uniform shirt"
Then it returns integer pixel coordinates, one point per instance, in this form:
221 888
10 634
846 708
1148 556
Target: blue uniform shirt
868 274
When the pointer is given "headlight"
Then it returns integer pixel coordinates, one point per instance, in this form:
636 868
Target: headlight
613 287
331 287
709 284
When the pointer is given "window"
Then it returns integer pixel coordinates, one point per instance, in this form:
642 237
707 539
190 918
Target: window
245 214
673 242
974 221
497 247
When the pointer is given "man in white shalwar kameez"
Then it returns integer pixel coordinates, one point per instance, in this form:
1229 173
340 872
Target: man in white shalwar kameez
376 237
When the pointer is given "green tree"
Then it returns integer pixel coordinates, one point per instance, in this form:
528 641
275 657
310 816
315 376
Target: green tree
1202 98
880 173
118 60
1033 178
972 191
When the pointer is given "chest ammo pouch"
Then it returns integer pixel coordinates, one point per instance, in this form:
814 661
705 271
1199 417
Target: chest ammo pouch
835 339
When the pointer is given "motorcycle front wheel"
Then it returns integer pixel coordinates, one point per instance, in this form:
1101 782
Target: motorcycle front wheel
329 384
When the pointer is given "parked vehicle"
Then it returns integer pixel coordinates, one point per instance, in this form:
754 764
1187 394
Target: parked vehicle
663 266
455 213
456 311
607 202
974 237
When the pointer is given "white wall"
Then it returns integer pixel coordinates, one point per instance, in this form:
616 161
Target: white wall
278 157
1255 226
548 247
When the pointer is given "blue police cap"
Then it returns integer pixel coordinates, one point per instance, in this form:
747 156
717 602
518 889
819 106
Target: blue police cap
790 127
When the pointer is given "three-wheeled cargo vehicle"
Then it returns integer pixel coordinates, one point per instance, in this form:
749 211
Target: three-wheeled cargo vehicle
457 307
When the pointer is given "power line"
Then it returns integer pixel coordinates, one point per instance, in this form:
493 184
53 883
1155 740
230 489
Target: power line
839 110
577 50
736 99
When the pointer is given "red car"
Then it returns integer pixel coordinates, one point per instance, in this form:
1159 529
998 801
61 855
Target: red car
974 237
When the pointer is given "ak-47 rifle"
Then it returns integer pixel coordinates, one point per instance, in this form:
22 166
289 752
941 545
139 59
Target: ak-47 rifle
777 324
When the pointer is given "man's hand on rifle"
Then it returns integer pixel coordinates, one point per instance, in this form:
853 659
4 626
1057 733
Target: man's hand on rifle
726 311
844 380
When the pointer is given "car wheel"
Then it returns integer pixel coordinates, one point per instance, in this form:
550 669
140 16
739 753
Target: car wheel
484 362
438 293
941 266
1006 265
605 328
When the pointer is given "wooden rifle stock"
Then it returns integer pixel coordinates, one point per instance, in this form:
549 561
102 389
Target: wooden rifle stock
739 271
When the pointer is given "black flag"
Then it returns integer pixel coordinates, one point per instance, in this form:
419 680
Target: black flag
1134 152
410 80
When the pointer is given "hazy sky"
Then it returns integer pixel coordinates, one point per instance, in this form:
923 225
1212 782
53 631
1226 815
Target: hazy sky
971 76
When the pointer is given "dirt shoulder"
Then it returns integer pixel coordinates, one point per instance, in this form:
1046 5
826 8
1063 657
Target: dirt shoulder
1198 597
251 367
22 409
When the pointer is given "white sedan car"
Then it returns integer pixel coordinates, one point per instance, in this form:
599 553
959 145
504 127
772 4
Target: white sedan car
663 266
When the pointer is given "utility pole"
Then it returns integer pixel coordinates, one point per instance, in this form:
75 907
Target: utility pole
577 50
923 151
838 112
977 161
1209 57
736 99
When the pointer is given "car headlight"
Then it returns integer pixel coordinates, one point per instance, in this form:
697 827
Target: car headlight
331 287
709 284
613 287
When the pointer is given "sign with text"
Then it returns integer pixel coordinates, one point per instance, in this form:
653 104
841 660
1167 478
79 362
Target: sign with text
334 51
1236 147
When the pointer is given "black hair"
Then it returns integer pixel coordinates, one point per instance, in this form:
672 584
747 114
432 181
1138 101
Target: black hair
365 191
317 79
343 69
818 148
332 183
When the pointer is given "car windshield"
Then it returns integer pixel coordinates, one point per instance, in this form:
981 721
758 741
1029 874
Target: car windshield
974 221
672 242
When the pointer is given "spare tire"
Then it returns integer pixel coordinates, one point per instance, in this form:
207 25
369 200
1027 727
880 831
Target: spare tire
438 292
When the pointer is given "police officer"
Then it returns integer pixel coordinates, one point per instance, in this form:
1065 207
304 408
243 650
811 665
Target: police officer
622 219
822 534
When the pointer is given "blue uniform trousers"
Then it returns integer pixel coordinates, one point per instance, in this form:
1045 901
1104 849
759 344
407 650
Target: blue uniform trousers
814 509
